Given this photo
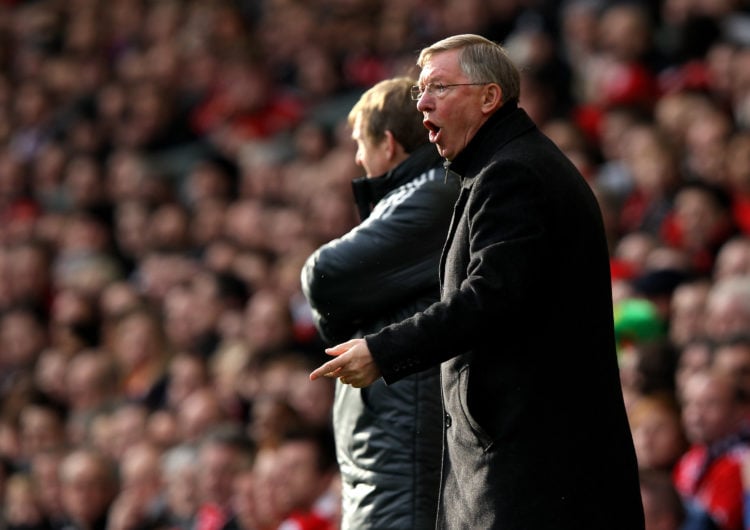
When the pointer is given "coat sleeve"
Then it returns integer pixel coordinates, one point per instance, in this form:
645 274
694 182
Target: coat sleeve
390 259
502 246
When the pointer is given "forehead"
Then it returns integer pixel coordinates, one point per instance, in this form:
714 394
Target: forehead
705 387
440 66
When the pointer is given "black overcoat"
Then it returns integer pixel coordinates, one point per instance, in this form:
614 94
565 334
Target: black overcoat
536 435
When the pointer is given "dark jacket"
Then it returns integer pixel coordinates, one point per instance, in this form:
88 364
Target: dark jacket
537 436
388 438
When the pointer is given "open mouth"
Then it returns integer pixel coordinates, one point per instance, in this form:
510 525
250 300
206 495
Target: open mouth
433 129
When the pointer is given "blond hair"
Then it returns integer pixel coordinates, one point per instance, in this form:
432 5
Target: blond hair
388 106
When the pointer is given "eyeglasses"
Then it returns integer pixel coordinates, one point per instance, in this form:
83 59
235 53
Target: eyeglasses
437 89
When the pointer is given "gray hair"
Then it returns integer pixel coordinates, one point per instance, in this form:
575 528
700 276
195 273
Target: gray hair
733 288
481 60
179 458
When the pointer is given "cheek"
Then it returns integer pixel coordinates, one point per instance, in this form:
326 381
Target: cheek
462 120
375 164
664 440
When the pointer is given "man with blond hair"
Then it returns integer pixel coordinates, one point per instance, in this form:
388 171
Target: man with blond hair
388 437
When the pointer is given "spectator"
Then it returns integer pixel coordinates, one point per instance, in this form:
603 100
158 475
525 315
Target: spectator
226 373
89 484
127 427
140 502
180 474
270 417
244 504
700 223
695 356
307 464
44 470
187 373
268 323
706 139
652 161
614 176
21 507
733 258
29 274
90 388
49 374
708 475
313 401
222 453
738 178
621 69
265 494
74 322
141 353
22 339
728 308
732 356
199 413
662 505
41 427
686 312
657 432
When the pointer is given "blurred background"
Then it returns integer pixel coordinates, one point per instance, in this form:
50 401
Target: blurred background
166 166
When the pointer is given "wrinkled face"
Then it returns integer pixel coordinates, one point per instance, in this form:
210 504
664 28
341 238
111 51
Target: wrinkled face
454 116
371 156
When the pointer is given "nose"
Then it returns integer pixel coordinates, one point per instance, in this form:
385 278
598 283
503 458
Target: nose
424 102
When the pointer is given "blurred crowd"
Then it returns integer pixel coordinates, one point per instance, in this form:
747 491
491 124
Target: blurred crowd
166 166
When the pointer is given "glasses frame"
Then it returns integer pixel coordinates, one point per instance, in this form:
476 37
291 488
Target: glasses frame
437 89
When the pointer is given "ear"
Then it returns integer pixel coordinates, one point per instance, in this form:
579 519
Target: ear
492 98
391 147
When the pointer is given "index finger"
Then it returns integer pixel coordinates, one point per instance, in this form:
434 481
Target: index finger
329 369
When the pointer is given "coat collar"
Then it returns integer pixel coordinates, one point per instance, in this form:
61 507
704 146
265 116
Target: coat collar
504 125
368 191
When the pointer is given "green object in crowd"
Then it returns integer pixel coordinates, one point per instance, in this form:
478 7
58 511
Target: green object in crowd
637 320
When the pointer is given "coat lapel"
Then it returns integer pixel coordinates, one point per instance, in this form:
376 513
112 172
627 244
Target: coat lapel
458 211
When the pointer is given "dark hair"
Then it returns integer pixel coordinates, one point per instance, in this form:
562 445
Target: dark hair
718 194
322 438
232 436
